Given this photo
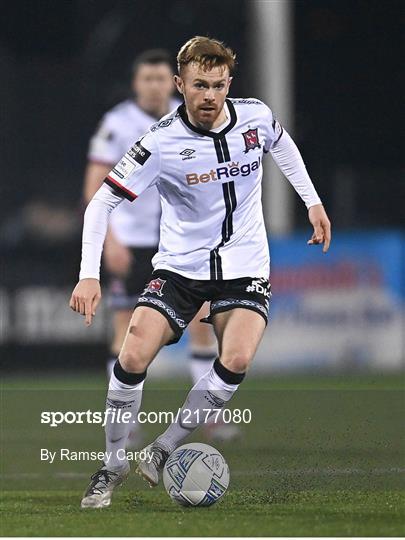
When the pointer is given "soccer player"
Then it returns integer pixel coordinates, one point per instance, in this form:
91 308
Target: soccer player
213 245
133 234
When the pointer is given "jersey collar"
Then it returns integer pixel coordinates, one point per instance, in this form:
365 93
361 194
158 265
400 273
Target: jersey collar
215 135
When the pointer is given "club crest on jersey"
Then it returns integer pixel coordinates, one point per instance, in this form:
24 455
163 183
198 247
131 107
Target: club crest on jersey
251 138
155 286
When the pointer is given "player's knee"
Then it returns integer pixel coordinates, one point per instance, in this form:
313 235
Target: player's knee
237 361
133 361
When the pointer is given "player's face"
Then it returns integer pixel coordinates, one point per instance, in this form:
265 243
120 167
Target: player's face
204 93
153 86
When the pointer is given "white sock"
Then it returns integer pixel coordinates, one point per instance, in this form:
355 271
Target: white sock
134 429
210 393
121 397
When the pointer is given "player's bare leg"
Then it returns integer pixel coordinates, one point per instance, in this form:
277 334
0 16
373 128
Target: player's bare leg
239 332
148 331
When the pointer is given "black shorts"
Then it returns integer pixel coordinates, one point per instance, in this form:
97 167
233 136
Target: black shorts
125 291
179 298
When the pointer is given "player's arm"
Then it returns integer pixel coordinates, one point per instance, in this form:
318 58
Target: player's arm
87 293
289 160
117 257
138 169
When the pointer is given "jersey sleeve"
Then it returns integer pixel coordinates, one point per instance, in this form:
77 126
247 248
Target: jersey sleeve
272 127
137 170
105 145
290 162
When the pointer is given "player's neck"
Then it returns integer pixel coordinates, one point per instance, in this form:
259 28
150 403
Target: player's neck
220 119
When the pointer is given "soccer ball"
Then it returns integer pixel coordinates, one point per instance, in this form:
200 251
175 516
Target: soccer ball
196 475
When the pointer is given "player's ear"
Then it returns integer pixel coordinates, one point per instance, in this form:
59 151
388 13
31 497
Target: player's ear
178 81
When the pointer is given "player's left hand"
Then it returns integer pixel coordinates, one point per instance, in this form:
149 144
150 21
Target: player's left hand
321 224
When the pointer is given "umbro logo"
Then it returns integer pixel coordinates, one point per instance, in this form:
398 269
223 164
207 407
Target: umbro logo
187 153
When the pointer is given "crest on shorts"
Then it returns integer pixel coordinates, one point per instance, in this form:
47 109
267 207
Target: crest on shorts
251 138
155 286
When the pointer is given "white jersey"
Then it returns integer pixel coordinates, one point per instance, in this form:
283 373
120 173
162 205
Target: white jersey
210 187
138 224
209 182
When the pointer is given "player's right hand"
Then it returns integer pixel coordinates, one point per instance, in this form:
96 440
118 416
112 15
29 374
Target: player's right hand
85 298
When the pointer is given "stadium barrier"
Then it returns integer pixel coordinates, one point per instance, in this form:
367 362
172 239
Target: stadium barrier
341 311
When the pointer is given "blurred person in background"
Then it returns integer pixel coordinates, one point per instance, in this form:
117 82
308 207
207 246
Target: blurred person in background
133 235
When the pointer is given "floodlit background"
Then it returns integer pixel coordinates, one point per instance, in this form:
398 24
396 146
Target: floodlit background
330 69
324 453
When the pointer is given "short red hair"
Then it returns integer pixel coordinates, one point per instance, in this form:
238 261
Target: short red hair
206 52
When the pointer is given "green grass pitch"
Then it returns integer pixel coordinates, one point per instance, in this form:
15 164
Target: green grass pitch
322 456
